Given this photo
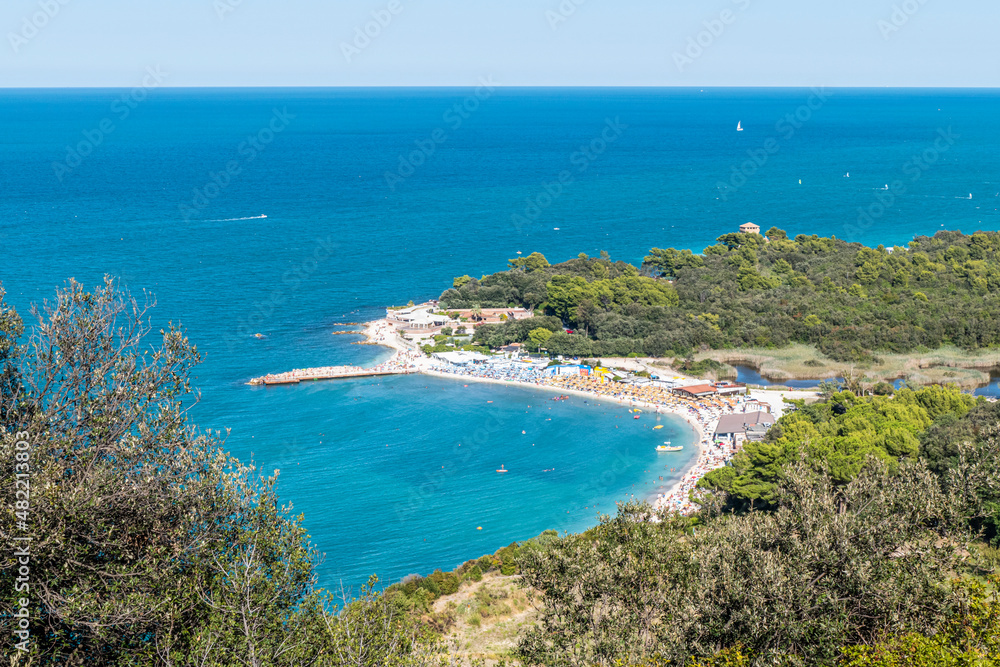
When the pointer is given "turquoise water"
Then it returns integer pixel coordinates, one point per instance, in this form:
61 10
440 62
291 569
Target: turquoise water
170 201
407 466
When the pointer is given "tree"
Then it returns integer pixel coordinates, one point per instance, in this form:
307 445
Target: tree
668 262
532 262
539 336
462 281
737 240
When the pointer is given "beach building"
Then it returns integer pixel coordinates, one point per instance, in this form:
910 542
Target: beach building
749 228
603 374
460 358
696 391
739 427
674 382
511 351
417 319
726 388
569 369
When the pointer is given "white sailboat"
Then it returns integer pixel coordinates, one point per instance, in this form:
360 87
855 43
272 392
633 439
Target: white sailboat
739 126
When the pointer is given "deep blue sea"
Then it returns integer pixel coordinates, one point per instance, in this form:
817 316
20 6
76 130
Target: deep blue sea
375 197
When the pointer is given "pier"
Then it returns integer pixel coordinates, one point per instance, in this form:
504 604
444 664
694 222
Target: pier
326 373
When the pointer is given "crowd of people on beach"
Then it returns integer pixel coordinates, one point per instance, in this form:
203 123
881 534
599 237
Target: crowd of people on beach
511 372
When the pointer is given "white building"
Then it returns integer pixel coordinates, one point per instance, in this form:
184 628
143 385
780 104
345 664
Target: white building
418 319
460 358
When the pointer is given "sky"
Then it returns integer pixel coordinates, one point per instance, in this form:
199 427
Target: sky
899 43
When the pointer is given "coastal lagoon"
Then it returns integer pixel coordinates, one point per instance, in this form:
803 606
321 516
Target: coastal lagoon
748 375
172 202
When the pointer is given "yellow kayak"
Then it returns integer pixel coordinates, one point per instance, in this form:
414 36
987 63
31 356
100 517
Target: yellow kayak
657 428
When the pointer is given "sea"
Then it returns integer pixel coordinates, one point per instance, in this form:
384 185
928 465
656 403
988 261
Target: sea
291 212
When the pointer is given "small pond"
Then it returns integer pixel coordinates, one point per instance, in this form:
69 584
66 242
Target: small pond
992 389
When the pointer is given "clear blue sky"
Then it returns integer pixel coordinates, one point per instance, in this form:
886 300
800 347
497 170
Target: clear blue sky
517 42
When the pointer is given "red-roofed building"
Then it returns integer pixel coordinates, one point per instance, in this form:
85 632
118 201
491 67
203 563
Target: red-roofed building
696 391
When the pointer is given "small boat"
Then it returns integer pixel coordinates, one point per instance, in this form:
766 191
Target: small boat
666 448
502 469
259 335
657 428
739 126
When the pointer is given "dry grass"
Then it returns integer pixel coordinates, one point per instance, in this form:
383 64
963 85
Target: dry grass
944 365
490 616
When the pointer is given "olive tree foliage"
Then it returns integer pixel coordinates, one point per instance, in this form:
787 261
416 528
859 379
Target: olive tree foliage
149 544
831 566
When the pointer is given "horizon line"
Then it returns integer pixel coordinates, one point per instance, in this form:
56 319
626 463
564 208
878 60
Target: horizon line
499 85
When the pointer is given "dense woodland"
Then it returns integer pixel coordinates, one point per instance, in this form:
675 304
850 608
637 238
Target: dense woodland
848 300
861 533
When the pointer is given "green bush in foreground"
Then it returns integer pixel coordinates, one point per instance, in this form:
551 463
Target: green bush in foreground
151 545
832 566
970 637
